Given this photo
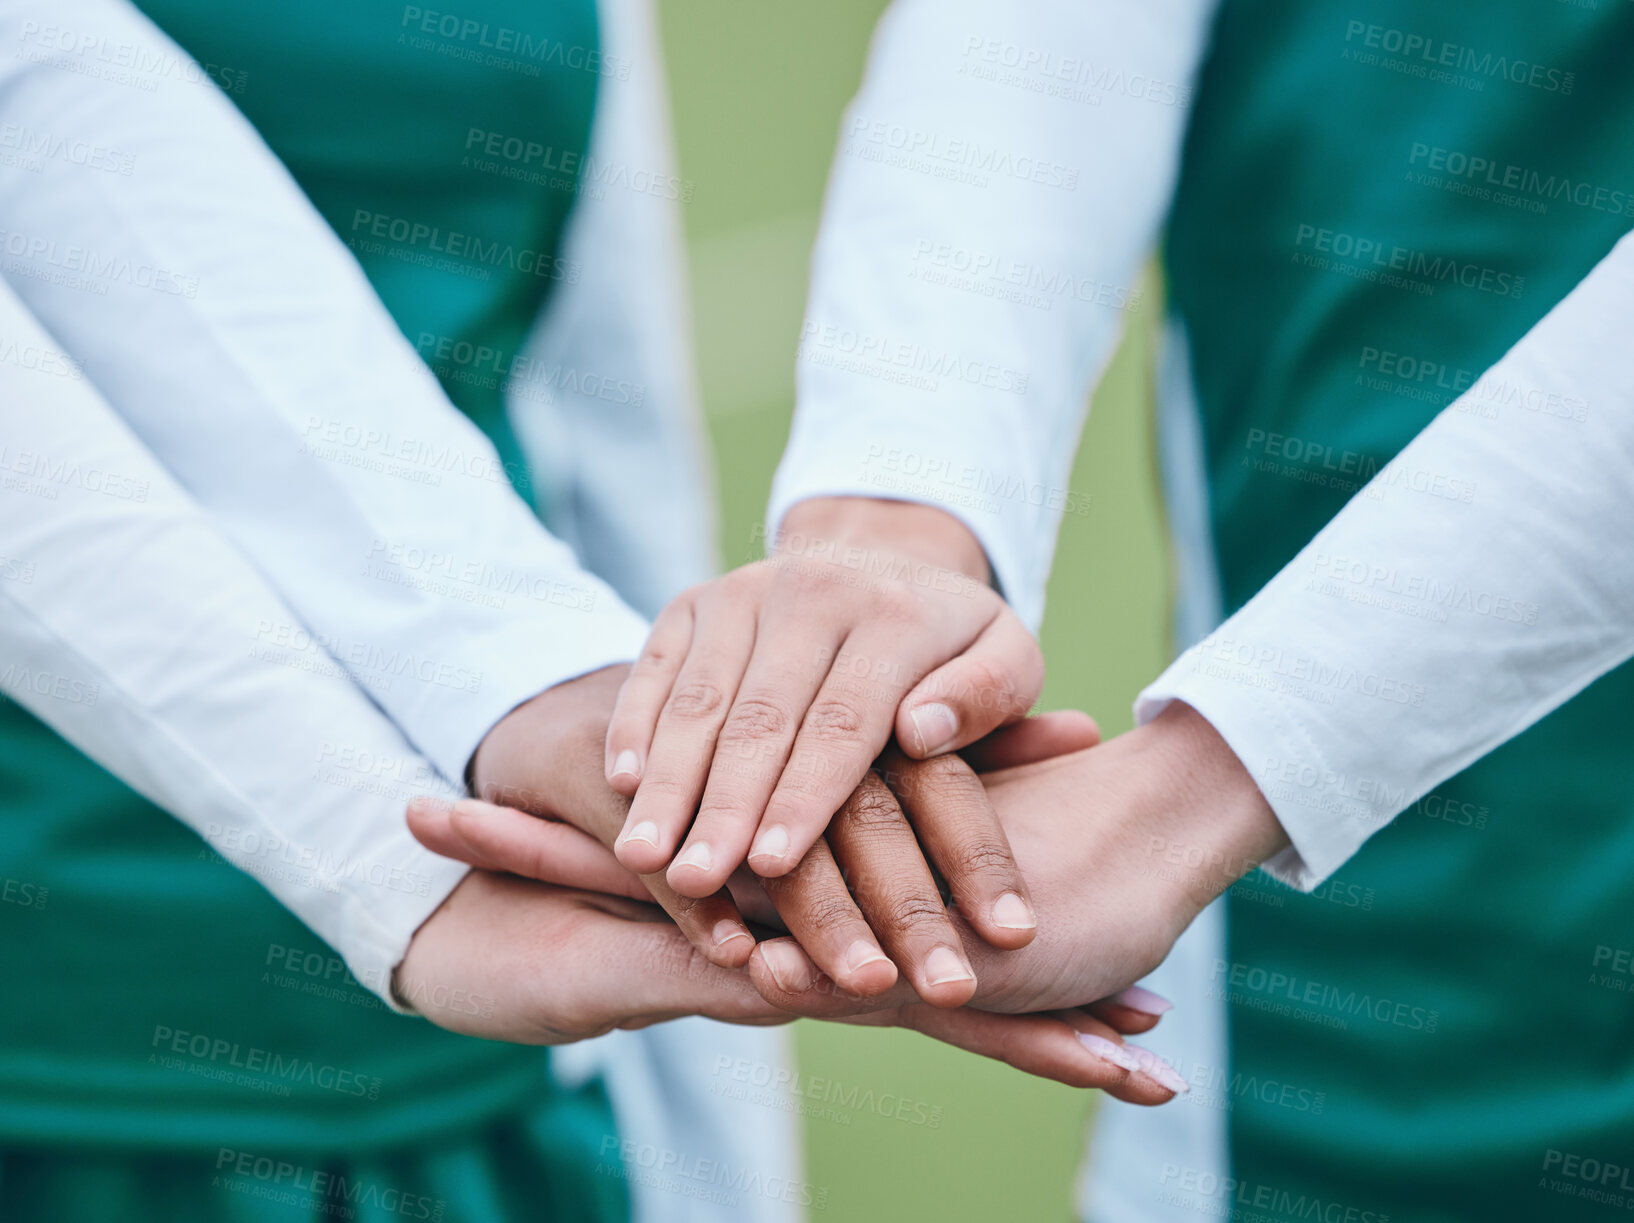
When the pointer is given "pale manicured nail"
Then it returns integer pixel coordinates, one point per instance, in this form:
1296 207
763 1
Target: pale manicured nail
726 931
627 764
935 724
773 843
1011 912
1142 1000
944 965
1155 1067
861 954
789 966
646 831
1109 1051
696 855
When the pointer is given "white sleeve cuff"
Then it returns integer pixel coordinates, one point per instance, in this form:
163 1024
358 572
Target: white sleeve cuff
1326 815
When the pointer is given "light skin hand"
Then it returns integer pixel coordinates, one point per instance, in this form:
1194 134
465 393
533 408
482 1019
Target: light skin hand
762 698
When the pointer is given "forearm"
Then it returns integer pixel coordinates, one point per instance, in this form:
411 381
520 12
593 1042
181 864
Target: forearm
1482 578
979 250
144 638
262 371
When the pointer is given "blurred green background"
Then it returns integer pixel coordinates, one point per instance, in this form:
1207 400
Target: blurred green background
758 91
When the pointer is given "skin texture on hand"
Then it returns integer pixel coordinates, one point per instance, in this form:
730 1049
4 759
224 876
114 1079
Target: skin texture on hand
544 758
763 697
1097 833
511 960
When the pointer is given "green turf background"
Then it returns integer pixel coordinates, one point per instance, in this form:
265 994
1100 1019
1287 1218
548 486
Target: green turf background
758 90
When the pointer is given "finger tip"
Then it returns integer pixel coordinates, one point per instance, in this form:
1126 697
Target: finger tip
690 882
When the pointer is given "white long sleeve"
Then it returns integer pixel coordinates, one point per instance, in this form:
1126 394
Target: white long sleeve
227 325
1000 179
131 626
612 429
1001 159
1483 577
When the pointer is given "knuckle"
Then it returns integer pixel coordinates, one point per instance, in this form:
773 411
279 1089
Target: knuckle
913 911
653 661
695 701
872 810
834 720
830 911
756 718
981 857
898 603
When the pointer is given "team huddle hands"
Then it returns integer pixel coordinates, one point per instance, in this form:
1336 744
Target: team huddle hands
818 792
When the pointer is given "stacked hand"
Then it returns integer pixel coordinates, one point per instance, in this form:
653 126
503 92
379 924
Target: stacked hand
1122 843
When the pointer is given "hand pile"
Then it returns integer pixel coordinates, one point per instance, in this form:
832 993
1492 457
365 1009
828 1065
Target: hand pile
727 828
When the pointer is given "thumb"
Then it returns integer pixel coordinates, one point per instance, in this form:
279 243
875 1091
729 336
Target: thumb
992 684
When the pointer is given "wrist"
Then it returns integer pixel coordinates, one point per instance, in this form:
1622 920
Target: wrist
925 533
1217 825
546 754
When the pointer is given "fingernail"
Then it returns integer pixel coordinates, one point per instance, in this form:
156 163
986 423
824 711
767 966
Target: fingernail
1142 1000
1155 1067
1011 912
1109 1051
944 965
773 843
645 831
935 724
627 764
789 966
696 855
726 931
861 954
